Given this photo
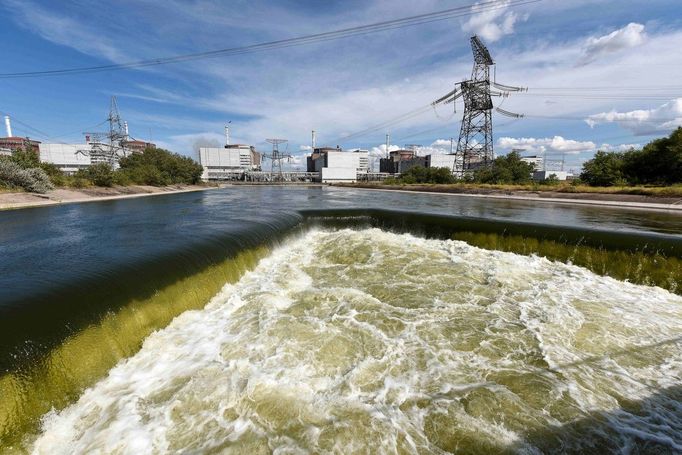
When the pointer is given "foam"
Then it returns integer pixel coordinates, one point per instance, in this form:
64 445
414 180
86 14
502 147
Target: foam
343 340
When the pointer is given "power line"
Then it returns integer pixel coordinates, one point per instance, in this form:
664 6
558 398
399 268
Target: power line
466 10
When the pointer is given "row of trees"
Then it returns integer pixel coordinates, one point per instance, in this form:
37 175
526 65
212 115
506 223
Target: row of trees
507 169
155 167
657 163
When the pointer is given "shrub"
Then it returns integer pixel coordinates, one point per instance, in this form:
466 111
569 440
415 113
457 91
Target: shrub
418 174
505 169
160 167
33 179
100 174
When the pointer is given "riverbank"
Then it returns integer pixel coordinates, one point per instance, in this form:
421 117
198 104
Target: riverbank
19 200
612 199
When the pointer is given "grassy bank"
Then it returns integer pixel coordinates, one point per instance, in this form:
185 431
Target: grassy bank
673 191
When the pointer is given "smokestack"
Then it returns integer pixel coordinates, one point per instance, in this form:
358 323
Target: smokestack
388 143
125 130
313 140
227 134
8 126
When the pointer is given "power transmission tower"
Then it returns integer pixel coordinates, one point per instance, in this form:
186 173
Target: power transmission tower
476 132
109 147
276 159
475 143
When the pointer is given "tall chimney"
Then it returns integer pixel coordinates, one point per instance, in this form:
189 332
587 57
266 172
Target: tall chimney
388 143
227 135
313 140
8 126
125 130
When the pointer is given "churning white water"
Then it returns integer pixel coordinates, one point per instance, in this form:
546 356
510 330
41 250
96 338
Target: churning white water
372 342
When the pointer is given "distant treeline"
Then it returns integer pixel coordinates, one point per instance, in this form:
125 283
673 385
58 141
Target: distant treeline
657 163
156 167
505 170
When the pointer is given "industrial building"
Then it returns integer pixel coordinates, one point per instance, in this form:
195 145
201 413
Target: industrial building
135 146
538 162
69 158
311 161
14 143
334 165
449 161
229 162
397 161
544 175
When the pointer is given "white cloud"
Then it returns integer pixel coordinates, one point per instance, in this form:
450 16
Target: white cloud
305 147
491 25
549 144
663 118
631 35
65 31
619 147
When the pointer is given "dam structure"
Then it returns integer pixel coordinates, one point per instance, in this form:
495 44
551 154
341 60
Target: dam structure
312 319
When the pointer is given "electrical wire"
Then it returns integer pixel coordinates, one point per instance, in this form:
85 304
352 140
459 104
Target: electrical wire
451 13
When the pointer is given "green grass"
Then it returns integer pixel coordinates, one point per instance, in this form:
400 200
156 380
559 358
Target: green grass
562 187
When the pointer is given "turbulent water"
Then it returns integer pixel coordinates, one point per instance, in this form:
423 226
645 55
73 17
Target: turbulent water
366 341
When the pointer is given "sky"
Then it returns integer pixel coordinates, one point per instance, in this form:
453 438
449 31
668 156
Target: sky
601 74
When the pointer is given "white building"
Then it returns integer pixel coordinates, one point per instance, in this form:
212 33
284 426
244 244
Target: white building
444 160
338 166
535 160
544 175
69 158
5 152
224 162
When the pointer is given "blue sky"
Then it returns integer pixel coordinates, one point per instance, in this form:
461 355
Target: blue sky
601 74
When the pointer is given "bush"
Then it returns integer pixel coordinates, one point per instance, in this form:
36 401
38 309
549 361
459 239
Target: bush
160 167
418 174
32 179
100 174
508 169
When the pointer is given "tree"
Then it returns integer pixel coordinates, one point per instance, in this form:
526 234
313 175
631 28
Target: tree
505 169
419 174
659 162
605 169
160 167
100 174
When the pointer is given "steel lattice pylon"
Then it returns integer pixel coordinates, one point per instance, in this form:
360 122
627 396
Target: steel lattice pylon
475 144
276 159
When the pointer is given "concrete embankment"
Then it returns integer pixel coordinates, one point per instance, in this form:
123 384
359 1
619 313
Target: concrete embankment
629 201
9 201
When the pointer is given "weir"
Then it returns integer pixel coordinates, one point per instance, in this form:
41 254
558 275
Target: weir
90 324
